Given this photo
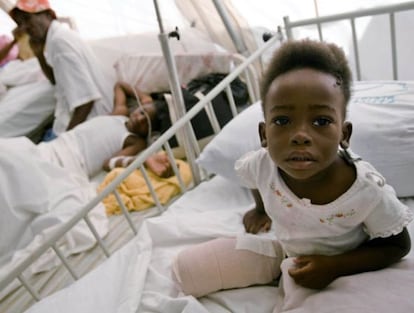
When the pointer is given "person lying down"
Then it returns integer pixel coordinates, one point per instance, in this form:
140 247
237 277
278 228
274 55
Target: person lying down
71 159
105 142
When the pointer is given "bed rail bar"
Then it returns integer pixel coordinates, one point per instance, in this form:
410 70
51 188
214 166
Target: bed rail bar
161 143
389 10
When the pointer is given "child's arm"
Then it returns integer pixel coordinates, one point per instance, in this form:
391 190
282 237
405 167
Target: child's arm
132 146
257 220
317 271
159 164
121 92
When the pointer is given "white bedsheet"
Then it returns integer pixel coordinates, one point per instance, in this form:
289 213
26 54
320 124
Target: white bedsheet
27 98
138 277
25 107
36 196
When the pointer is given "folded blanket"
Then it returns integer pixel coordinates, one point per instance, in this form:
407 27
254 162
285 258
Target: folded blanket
135 193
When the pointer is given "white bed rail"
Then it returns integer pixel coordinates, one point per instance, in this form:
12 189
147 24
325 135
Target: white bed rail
389 10
162 142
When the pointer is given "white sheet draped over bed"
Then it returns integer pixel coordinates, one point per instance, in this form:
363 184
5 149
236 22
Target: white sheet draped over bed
36 196
138 277
26 97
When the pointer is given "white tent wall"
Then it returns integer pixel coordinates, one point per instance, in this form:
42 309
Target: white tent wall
373 33
107 18
205 16
100 21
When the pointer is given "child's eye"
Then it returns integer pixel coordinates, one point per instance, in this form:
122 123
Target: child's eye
322 121
281 120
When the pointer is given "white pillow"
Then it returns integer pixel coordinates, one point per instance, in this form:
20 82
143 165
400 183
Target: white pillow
236 138
382 114
149 72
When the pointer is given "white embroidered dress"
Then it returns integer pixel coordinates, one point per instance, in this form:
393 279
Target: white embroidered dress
368 209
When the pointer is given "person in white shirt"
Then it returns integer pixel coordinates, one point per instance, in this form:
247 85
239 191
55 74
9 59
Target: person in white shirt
331 212
82 89
105 142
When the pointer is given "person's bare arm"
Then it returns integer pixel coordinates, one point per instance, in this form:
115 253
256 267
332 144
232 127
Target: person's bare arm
158 163
38 49
317 271
80 114
123 90
257 220
120 100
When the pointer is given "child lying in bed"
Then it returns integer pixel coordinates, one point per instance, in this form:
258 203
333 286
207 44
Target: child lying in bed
105 142
67 162
332 213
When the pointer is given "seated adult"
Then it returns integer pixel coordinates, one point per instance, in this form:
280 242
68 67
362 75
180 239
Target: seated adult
82 89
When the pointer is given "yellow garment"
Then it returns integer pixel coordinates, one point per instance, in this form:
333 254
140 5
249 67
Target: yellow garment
135 193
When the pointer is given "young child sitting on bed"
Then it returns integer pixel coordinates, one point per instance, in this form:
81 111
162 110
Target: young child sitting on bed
332 213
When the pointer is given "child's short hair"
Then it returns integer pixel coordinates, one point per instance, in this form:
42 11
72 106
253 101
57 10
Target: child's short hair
321 56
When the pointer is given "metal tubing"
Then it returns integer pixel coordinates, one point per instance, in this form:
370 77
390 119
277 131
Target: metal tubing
344 16
125 211
65 262
393 47
230 98
235 37
151 188
96 235
175 167
176 92
29 288
156 145
356 51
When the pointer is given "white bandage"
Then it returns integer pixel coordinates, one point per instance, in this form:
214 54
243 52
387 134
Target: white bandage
126 159
112 162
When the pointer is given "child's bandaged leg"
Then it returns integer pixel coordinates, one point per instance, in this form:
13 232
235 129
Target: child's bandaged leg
220 264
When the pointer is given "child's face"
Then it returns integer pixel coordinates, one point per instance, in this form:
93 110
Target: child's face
304 122
138 121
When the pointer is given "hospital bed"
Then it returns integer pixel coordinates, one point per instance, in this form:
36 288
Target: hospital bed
138 276
42 273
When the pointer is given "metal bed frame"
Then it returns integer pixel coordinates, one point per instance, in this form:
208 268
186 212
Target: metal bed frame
18 270
390 10
181 124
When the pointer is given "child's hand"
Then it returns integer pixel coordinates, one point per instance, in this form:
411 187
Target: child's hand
315 271
255 222
160 165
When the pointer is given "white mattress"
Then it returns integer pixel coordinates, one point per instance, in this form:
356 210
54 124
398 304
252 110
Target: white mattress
138 277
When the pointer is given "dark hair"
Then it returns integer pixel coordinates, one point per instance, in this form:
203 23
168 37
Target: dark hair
298 54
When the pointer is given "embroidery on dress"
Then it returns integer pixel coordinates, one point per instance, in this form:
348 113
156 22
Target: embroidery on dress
283 199
332 217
